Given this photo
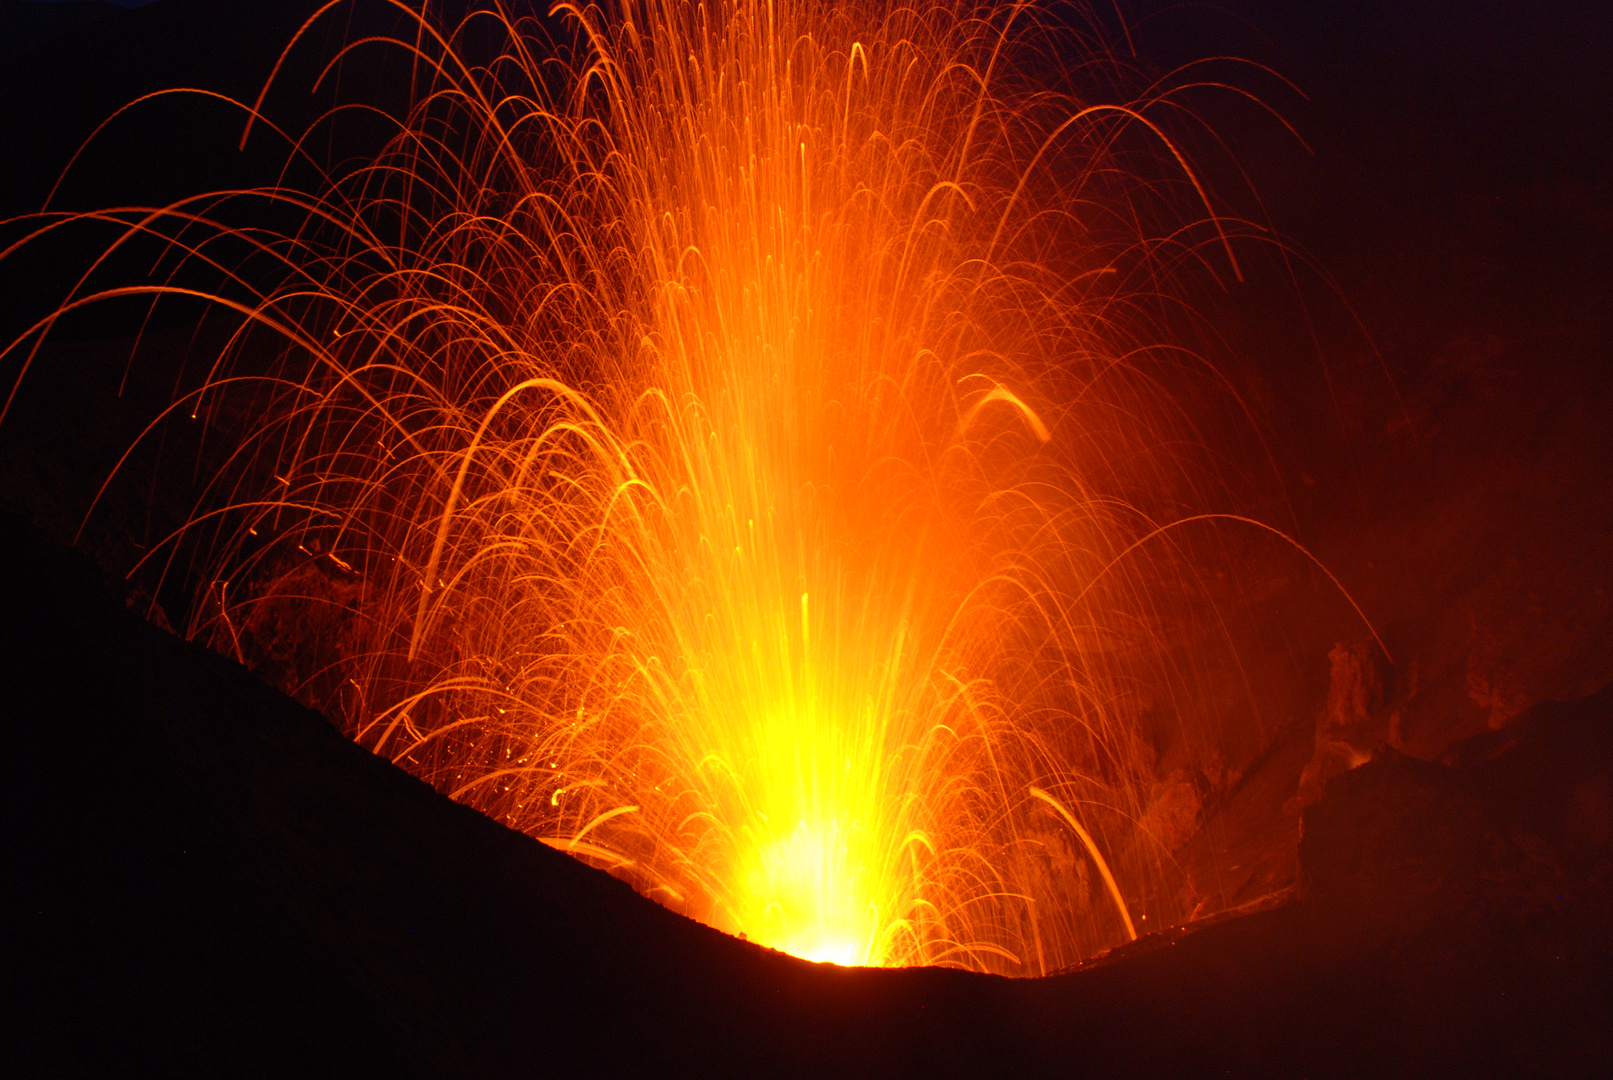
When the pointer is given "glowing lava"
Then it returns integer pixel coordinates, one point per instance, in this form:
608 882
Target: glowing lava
717 450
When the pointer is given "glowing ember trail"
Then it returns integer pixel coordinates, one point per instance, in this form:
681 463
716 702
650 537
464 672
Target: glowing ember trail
718 445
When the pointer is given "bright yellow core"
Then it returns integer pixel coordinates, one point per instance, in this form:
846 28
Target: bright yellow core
801 893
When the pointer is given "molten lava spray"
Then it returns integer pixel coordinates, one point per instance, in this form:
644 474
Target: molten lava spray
722 444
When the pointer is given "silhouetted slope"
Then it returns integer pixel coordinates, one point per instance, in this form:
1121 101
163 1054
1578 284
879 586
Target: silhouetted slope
205 878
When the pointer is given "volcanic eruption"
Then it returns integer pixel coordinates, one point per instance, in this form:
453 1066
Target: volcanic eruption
878 480
741 445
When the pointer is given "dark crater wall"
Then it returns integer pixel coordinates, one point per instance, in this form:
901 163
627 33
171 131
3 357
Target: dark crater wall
205 878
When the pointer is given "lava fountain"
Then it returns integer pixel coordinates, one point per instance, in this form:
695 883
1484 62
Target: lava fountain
726 448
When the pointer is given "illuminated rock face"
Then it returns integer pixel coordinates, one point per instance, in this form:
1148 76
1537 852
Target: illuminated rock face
1510 846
